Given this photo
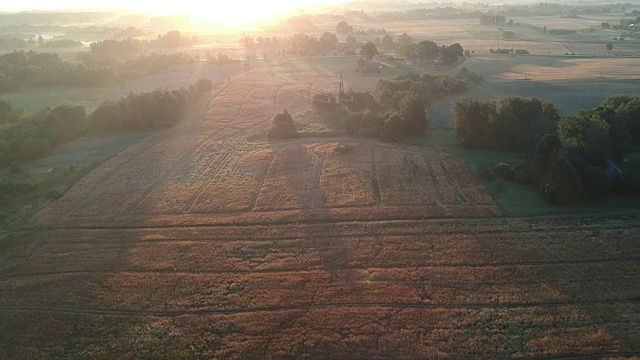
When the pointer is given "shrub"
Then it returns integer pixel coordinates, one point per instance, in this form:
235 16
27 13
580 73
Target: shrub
596 156
283 127
54 194
504 171
596 183
324 103
543 155
562 184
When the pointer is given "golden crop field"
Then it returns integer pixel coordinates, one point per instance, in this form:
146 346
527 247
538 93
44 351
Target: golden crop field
203 241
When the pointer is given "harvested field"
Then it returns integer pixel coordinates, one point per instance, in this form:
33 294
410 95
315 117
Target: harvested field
485 288
208 171
574 69
199 242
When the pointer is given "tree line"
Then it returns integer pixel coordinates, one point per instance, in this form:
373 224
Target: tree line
425 50
396 112
111 48
39 69
30 68
585 168
25 138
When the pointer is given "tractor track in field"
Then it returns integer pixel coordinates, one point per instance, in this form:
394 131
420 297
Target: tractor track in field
401 306
318 270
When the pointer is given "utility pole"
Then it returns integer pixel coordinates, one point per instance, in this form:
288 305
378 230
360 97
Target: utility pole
341 93
246 49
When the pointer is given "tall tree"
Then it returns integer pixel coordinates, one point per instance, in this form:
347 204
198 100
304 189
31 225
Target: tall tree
369 50
427 50
343 28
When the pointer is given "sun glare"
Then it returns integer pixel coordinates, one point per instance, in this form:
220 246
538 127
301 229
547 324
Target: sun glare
231 13
241 13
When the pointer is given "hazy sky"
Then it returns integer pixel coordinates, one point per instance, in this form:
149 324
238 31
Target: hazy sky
230 11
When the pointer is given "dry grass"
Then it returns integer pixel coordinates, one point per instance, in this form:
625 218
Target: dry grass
577 69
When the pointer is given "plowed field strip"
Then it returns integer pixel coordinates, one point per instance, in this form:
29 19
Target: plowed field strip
143 313
337 215
342 229
264 177
146 145
339 268
221 167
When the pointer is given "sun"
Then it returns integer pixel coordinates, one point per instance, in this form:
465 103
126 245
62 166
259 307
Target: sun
236 13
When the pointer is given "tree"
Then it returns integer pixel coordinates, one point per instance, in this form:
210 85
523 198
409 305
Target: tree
596 183
405 39
427 50
543 155
394 127
629 112
283 126
343 28
473 121
562 185
609 47
369 50
605 25
450 54
388 43
406 51
351 42
522 122
508 35
413 113
9 114
327 42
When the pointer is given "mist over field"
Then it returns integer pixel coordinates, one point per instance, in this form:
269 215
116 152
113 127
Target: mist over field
323 179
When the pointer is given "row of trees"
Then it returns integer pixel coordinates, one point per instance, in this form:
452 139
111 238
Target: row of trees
398 109
515 123
490 20
26 138
160 108
362 115
111 48
29 138
29 68
427 50
305 45
427 87
608 129
564 176
38 69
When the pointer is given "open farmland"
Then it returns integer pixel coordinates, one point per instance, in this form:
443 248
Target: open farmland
479 288
201 242
209 172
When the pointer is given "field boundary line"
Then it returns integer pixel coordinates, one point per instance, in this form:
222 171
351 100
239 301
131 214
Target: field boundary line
488 265
288 219
402 306
264 179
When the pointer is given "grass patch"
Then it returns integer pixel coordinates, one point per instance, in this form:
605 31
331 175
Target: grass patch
312 124
24 192
519 200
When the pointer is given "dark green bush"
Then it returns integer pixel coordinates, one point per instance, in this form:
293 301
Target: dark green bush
283 127
596 183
